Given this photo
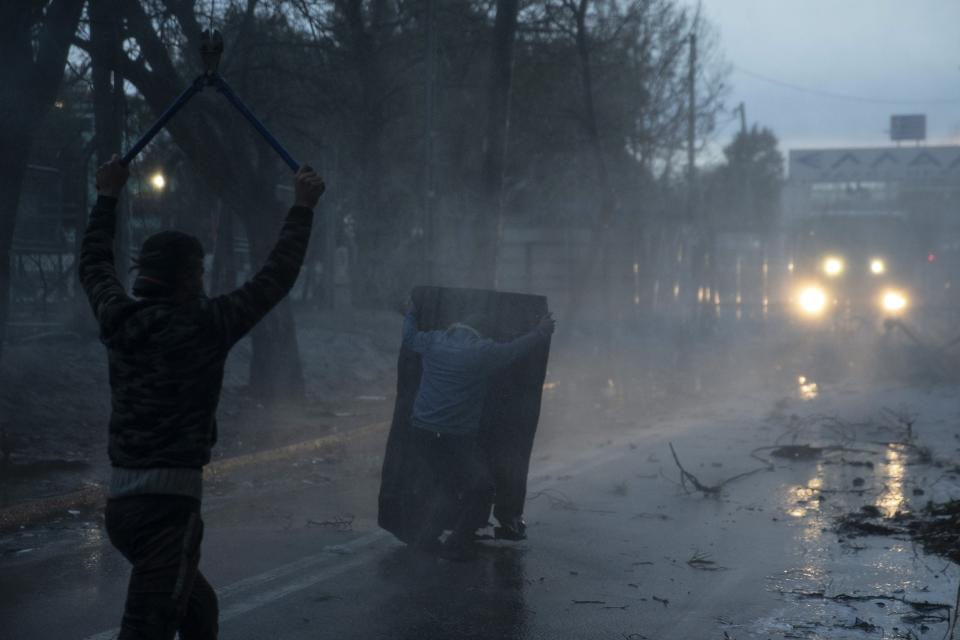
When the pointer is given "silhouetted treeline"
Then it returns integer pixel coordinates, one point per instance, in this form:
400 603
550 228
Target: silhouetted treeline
432 120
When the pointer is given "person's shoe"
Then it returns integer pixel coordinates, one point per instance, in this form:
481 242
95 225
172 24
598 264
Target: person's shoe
513 529
458 551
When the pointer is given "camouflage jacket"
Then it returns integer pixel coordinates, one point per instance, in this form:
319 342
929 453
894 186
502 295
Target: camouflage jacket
166 357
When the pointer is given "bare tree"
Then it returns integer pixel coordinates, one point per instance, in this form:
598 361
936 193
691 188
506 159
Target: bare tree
630 107
570 19
34 42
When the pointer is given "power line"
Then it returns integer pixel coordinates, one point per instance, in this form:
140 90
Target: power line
840 96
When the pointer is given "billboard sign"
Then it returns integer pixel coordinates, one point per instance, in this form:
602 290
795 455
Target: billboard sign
908 127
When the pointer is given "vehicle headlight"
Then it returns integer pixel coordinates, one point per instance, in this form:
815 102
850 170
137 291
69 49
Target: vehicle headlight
812 300
833 266
878 267
893 301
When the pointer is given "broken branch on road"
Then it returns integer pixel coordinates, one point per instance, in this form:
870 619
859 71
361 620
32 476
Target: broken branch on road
916 605
340 523
687 477
702 562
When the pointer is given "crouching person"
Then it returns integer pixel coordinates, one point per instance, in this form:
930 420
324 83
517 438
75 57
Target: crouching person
166 349
458 364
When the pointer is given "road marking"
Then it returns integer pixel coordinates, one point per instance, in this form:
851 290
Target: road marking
348 548
261 599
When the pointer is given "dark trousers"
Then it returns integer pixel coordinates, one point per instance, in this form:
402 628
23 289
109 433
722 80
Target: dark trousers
461 474
509 467
160 535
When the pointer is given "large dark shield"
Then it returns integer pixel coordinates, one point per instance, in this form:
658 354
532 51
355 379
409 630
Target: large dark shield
510 416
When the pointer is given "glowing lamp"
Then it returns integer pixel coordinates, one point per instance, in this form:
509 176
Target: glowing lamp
813 300
833 266
893 301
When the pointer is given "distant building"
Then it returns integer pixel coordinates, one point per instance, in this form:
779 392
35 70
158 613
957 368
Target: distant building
913 182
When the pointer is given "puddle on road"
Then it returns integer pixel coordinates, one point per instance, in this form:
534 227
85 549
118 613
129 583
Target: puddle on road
880 590
846 586
80 531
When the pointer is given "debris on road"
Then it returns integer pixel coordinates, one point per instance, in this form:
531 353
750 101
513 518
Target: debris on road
340 523
797 452
687 477
651 516
702 562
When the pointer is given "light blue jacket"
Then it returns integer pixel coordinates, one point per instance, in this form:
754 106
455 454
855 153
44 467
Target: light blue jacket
457 367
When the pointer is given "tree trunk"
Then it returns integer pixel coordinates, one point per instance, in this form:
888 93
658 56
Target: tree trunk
276 371
371 237
489 218
81 320
224 276
13 166
108 112
368 29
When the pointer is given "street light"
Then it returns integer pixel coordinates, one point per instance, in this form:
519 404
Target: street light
158 181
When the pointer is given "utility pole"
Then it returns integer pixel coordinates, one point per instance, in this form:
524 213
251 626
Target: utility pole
701 289
692 117
429 178
743 118
692 213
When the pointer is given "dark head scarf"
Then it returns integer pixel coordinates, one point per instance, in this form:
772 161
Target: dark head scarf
166 258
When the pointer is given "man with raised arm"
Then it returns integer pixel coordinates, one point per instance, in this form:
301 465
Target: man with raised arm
166 346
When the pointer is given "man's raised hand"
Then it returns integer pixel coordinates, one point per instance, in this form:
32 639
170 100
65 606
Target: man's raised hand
111 177
307 187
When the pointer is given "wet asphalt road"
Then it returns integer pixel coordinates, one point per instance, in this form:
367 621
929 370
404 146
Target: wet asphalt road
617 549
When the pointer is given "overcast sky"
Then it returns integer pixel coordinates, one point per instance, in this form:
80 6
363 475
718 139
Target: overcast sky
887 57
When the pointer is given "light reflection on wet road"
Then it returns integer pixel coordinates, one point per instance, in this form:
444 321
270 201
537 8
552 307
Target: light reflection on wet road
891 499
